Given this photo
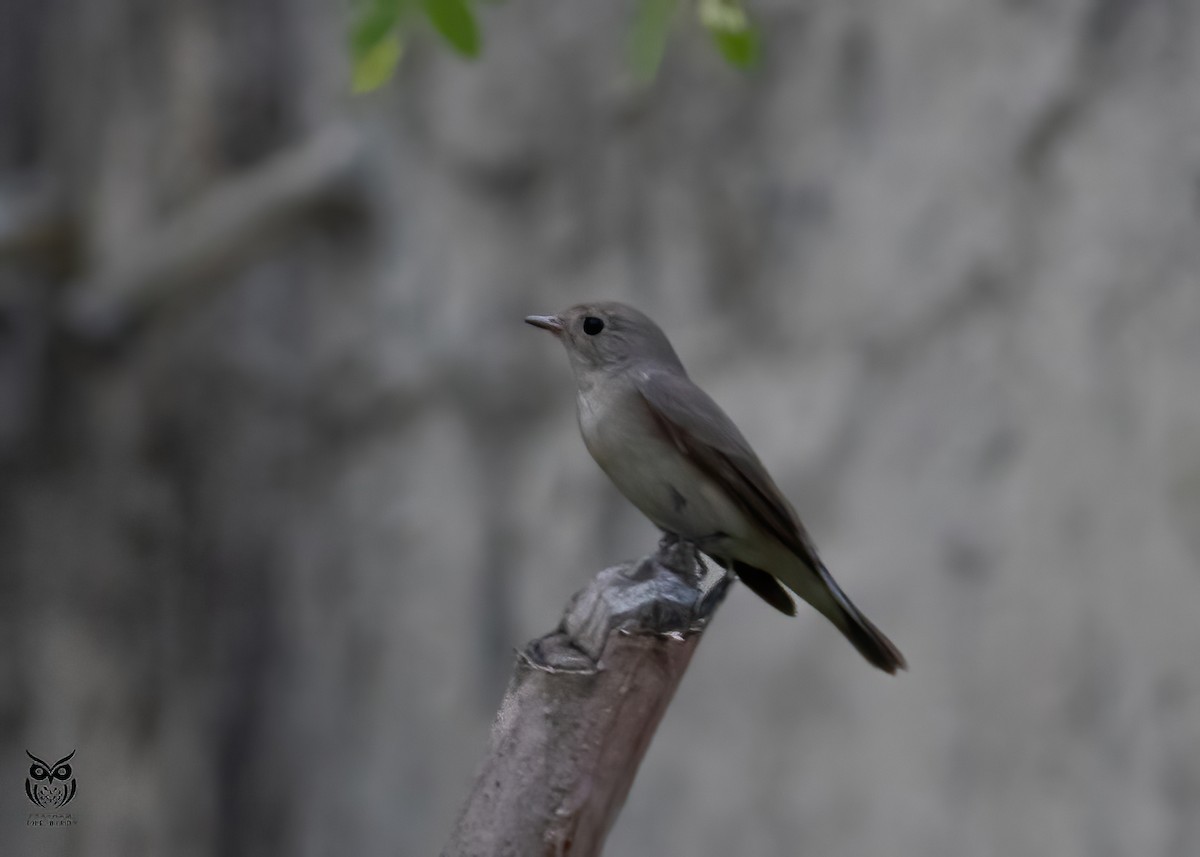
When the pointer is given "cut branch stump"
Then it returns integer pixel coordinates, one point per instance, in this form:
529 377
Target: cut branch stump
581 708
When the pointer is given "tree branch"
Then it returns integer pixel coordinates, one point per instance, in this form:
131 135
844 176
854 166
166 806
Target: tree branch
192 250
581 708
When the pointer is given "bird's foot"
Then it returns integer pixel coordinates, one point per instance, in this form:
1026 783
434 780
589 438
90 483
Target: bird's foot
682 557
668 541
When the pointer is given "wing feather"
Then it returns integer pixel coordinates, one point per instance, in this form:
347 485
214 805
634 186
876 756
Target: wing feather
709 439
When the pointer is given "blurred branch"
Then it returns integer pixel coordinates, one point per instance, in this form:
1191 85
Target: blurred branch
219 231
581 708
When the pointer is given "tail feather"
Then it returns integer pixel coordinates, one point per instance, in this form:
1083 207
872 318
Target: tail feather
871 643
821 591
818 588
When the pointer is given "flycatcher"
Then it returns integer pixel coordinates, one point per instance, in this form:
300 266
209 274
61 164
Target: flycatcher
682 462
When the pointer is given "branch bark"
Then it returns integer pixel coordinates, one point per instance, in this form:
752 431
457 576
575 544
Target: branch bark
581 708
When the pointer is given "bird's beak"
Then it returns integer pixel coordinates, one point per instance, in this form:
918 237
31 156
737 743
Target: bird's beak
551 323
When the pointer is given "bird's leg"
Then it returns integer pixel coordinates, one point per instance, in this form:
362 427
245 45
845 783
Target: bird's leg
673 554
668 540
716 593
680 556
683 556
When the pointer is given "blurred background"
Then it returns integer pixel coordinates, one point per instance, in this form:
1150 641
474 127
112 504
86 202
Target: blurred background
284 479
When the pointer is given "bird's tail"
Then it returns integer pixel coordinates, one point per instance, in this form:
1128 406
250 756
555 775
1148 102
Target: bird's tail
871 643
818 588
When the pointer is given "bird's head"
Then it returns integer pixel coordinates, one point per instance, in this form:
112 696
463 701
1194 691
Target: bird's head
608 336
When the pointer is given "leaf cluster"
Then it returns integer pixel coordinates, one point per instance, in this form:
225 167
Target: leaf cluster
382 28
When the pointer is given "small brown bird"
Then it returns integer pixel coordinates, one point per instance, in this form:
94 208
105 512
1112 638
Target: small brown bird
679 459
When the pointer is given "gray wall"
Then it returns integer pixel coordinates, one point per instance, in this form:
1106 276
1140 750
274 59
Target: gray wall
263 559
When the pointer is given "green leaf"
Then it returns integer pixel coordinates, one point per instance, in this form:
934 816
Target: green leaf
376 43
723 16
648 41
456 23
374 68
374 24
740 49
734 35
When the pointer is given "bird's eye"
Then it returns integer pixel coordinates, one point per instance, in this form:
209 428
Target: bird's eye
62 772
592 325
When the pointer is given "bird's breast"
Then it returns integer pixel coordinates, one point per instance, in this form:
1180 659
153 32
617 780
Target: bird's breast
631 448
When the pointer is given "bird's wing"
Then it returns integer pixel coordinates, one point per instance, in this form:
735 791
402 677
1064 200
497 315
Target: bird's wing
703 433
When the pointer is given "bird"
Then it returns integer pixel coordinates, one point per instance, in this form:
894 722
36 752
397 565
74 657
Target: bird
677 457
